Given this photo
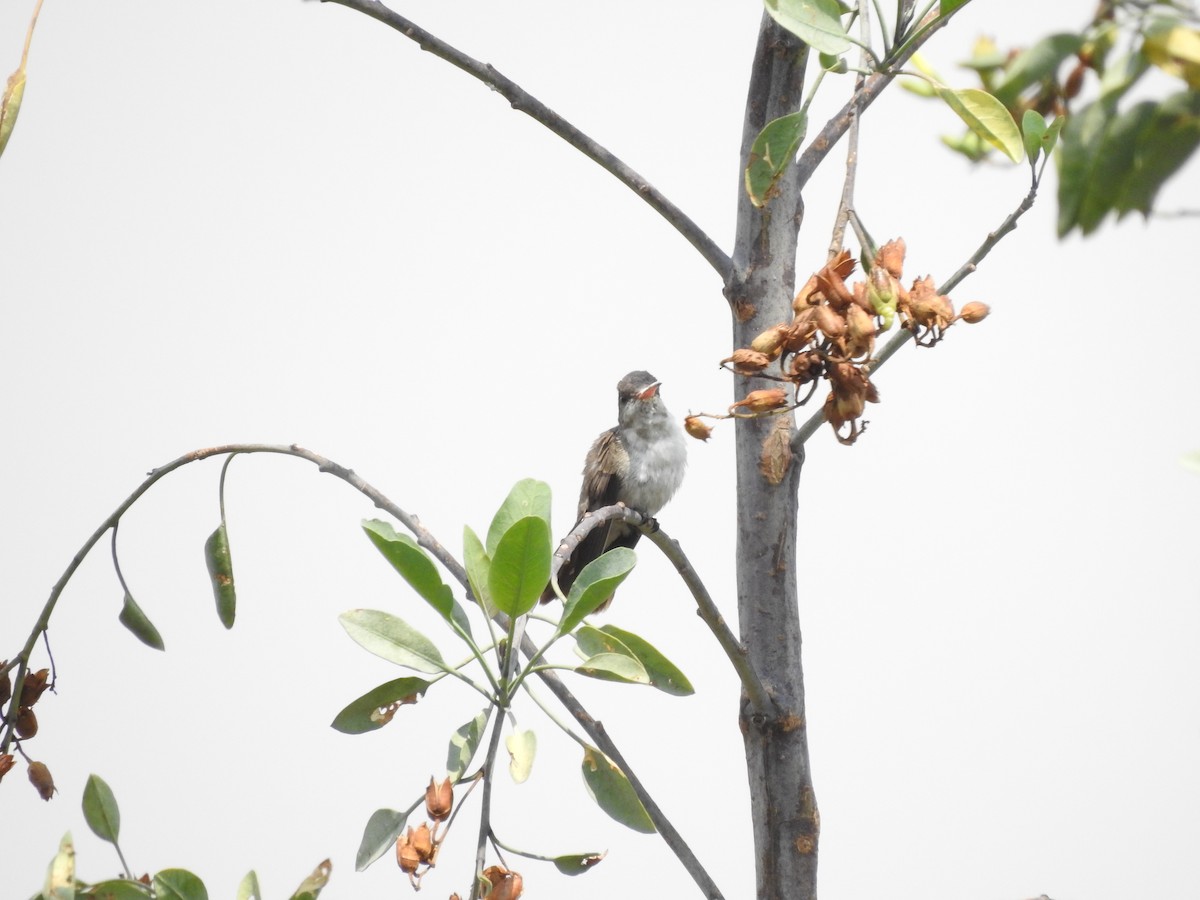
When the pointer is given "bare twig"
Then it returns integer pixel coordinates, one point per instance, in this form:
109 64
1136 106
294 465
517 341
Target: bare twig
485 809
846 205
522 101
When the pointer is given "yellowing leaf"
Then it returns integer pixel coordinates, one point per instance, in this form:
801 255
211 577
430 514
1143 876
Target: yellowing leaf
987 118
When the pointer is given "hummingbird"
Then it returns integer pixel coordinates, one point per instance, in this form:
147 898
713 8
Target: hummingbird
638 462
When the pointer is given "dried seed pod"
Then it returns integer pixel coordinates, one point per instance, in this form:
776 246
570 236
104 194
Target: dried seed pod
974 312
6 764
758 402
27 724
770 342
831 324
747 362
39 777
5 685
406 857
34 687
694 426
806 367
439 799
891 257
860 333
802 330
421 841
804 297
506 885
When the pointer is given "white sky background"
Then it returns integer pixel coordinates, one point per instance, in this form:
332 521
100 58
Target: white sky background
232 221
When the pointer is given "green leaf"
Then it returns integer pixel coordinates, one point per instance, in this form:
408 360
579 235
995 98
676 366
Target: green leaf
986 117
1081 138
139 623
249 889
119 889
463 744
969 144
522 748
1050 138
520 566
771 153
412 563
948 6
393 639
310 888
10 106
663 674
381 832
1033 129
816 22
178 884
1164 142
374 709
1035 65
613 793
614 667
60 876
100 809
589 641
595 584
477 564
577 863
220 570
528 497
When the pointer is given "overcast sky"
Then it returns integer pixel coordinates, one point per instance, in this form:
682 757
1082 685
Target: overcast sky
279 221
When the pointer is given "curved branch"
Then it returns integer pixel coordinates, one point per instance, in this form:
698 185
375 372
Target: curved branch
522 101
425 538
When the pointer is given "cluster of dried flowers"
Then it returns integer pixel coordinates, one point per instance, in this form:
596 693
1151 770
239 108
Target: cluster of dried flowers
26 726
832 337
417 850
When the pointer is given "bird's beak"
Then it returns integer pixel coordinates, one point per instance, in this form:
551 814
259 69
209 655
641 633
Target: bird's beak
647 393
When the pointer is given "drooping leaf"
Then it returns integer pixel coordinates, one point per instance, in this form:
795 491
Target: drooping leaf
1050 138
578 863
771 153
100 809
595 584
393 639
381 832
220 570
528 497
1035 65
522 748
375 708
463 744
663 673
10 106
248 889
477 563
139 623
178 884
310 888
520 566
412 563
614 667
613 793
1033 129
816 22
986 117
1081 138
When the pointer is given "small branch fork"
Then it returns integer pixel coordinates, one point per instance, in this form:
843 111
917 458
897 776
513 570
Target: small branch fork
522 101
593 728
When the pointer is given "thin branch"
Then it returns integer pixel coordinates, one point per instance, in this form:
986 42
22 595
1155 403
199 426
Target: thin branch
485 810
863 97
846 204
522 101
903 336
425 538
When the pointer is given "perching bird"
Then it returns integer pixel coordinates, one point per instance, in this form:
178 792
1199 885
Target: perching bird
640 463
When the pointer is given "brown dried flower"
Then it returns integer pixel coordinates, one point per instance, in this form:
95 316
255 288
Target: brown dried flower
696 427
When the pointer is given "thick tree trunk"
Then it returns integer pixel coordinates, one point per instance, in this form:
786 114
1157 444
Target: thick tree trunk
760 292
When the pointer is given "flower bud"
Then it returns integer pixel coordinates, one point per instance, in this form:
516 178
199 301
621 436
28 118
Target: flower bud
439 800
757 402
696 428
26 725
802 330
804 297
747 362
40 777
974 312
860 331
6 764
831 324
34 687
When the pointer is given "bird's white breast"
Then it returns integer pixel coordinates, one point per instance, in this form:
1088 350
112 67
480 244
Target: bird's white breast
657 458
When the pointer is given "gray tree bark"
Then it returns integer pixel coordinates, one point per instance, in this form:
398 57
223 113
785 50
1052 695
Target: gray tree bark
760 290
